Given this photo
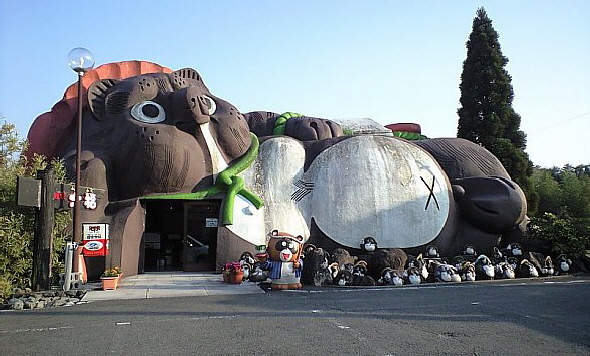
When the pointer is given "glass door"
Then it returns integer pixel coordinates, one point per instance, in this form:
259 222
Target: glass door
200 237
162 239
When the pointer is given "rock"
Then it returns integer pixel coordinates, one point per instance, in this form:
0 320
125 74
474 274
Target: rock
60 302
16 304
28 299
30 302
17 293
71 293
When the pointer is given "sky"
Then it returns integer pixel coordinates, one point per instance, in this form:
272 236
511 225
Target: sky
391 61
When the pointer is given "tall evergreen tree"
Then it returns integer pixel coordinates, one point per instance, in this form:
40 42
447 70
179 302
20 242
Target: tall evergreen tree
486 115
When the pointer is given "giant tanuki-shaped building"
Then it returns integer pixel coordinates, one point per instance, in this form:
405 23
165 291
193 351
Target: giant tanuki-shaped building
188 182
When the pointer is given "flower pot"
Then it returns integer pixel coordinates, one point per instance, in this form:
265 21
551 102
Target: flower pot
235 277
109 283
225 277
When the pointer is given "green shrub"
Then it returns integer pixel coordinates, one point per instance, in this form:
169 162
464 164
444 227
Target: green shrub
567 235
17 223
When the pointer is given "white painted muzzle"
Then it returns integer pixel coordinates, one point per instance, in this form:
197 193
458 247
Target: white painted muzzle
489 270
414 279
285 255
565 266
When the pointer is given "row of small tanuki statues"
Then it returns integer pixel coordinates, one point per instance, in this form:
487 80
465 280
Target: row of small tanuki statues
395 267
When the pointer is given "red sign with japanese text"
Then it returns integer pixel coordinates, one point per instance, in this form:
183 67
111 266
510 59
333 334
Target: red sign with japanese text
95 238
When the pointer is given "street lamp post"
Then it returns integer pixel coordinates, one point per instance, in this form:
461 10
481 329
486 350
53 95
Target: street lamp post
80 61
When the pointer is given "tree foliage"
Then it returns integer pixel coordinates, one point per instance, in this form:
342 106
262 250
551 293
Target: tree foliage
563 212
565 235
549 191
486 115
563 190
17 223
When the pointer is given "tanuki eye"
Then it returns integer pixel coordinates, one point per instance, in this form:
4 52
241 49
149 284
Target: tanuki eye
281 245
149 112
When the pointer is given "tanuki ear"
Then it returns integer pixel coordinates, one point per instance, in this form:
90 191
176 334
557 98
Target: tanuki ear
179 78
299 238
274 232
310 247
97 96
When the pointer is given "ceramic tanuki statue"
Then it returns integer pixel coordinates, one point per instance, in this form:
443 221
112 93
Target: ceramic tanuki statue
284 262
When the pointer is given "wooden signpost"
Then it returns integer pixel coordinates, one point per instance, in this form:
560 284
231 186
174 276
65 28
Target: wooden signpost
43 239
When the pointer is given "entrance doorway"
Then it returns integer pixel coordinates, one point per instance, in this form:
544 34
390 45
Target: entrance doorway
200 235
180 235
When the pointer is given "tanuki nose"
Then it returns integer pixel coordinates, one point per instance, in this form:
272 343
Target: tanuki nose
193 105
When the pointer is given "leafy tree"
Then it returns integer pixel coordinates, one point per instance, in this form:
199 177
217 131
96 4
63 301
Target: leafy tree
582 170
563 214
549 191
576 194
563 190
17 223
486 115
562 232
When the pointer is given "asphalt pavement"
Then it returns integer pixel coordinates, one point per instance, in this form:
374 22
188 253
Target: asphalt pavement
549 316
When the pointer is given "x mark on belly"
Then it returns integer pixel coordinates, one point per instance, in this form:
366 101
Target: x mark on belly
431 195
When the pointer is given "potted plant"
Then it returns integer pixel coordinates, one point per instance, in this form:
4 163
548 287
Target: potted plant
225 273
110 278
119 271
232 272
